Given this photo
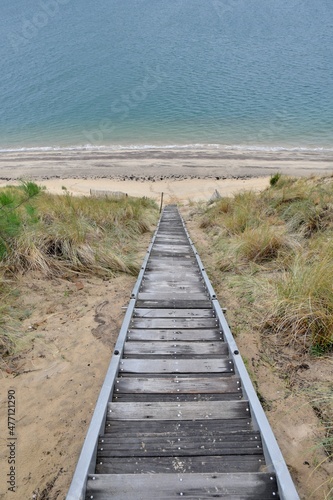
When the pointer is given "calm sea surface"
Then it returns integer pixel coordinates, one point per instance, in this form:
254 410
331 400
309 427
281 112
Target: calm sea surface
226 73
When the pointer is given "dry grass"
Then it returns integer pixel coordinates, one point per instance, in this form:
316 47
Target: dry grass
302 312
233 216
79 235
261 244
273 253
289 227
64 236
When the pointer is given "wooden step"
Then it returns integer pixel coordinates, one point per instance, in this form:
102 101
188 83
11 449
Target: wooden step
178 303
175 323
170 465
178 335
249 486
172 287
214 410
204 427
169 385
176 397
221 444
173 313
176 366
174 296
192 349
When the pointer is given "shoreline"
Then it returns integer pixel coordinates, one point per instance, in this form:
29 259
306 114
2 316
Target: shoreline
182 175
149 164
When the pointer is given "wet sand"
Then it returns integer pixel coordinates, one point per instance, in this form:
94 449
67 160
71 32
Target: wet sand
157 164
181 174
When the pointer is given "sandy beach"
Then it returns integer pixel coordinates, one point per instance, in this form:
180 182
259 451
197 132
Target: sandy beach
181 174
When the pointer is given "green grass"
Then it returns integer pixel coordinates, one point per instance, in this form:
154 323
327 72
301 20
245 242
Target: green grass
64 236
274 179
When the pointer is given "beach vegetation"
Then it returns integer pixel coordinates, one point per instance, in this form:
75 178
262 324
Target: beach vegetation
260 244
270 260
285 234
274 179
62 236
232 216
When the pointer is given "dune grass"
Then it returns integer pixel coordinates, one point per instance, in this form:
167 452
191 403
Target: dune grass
286 231
62 234
65 236
272 258
302 312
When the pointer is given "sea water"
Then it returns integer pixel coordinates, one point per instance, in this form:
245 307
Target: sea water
246 74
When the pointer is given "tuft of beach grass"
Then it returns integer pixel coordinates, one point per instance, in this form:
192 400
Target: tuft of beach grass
287 230
63 236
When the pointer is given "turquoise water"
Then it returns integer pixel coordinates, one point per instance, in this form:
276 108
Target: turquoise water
139 73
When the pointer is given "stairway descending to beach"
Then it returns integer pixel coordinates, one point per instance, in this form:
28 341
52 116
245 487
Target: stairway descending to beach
177 414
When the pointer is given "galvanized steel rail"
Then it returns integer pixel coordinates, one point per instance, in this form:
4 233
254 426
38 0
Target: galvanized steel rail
177 414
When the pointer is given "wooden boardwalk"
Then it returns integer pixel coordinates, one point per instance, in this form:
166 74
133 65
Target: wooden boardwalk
177 421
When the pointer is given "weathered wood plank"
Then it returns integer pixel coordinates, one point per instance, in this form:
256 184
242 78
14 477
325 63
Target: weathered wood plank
249 486
181 265
156 276
174 385
175 366
179 411
165 296
150 397
176 349
174 323
171 254
173 280
185 259
176 303
105 193
173 313
228 444
187 335
169 244
176 239
168 234
246 438
171 250
172 265
169 286
168 428
172 287
177 374
154 465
